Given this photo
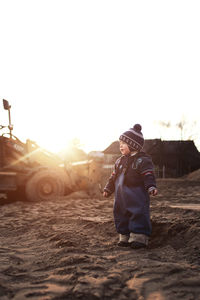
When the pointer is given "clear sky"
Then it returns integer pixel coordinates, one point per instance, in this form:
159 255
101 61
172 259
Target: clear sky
92 69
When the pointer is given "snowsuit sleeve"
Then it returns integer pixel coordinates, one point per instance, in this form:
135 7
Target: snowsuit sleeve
110 185
146 169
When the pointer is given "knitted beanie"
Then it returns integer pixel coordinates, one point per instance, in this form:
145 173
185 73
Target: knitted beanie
133 137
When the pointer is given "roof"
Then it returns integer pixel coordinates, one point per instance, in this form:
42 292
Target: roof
154 145
114 147
169 153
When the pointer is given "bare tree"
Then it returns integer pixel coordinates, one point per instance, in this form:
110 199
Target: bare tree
187 129
181 126
164 124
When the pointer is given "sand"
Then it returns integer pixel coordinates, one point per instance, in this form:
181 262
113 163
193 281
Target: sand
195 175
67 249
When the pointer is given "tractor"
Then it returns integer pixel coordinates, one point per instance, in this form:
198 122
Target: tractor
30 172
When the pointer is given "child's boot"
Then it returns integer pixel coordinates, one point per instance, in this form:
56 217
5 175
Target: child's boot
123 240
137 240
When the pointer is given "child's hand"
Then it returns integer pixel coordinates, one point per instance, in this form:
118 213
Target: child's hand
105 194
153 192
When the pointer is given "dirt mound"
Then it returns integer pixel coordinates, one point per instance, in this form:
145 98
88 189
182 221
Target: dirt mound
194 175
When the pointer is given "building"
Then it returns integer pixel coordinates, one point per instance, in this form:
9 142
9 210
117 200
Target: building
170 158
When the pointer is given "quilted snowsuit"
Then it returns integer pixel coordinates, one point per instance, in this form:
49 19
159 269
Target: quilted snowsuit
132 177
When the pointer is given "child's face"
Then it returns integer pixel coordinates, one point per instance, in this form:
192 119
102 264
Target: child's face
123 147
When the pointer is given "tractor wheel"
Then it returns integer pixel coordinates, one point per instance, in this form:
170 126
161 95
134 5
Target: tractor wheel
45 185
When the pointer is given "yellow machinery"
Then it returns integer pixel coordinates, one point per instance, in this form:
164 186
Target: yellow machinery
26 170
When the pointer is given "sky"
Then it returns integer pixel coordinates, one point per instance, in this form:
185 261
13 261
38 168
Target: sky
92 69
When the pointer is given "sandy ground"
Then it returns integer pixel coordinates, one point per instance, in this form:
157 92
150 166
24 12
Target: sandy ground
66 249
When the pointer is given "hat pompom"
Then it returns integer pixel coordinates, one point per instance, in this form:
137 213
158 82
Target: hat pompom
137 127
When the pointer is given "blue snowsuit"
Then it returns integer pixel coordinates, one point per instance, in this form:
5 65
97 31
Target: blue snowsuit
132 177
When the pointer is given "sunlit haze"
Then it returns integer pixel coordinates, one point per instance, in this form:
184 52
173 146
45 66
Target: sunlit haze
92 69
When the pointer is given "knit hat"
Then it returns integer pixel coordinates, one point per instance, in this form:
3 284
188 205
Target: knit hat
133 137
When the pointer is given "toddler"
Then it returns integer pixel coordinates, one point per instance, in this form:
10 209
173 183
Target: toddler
132 181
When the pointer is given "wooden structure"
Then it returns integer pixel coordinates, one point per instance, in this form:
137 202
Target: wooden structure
171 158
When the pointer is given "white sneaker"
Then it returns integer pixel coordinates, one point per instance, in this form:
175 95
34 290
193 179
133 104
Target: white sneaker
137 240
123 240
